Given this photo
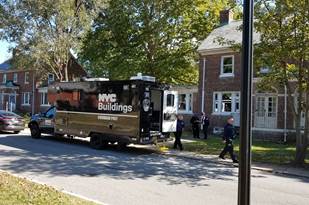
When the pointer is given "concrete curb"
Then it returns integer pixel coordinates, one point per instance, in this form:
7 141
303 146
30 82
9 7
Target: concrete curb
254 167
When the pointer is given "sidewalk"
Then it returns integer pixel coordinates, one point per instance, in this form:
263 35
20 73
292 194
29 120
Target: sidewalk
276 169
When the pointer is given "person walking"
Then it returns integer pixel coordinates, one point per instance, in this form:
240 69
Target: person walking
195 122
178 133
228 136
205 123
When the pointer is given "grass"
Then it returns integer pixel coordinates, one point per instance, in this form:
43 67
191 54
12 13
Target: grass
18 191
262 151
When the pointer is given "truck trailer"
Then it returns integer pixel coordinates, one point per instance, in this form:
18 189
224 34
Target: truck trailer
138 111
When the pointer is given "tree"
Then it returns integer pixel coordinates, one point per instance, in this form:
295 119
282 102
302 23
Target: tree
284 29
155 37
45 33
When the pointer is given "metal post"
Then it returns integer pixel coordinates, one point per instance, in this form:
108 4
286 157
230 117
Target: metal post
244 176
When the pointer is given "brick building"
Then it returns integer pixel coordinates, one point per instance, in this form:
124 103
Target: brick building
219 85
25 91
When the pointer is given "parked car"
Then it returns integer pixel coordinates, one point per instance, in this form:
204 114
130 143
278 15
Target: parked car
9 121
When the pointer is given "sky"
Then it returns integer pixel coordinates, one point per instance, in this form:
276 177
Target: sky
4 55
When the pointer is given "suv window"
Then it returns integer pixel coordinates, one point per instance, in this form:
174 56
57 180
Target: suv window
51 112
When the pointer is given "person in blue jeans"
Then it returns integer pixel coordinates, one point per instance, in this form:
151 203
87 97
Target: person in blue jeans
178 133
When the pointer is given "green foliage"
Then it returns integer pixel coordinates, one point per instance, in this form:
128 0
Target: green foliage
284 29
156 37
46 32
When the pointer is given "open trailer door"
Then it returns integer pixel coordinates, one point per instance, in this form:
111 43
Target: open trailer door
170 102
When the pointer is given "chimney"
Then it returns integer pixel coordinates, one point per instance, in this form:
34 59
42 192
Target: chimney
226 16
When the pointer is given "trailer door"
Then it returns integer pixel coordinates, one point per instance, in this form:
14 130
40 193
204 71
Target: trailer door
170 102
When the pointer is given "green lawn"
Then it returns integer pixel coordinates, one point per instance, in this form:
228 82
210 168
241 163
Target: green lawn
18 191
262 151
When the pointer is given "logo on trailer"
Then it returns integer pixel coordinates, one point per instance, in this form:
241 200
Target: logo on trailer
108 102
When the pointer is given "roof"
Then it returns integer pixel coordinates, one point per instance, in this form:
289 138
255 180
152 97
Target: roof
6 65
227 33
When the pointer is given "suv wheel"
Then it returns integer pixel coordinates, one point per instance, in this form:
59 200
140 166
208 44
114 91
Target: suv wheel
35 131
96 141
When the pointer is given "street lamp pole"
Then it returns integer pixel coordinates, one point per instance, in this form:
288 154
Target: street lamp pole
244 176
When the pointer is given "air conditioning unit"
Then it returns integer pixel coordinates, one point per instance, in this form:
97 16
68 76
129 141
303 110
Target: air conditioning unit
140 76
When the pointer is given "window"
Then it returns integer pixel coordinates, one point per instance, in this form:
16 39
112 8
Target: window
226 102
26 98
4 78
227 66
44 100
26 77
15 77
185 103
170 100
50 113
51 78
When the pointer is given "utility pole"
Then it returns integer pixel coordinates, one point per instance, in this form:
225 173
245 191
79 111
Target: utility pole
244 176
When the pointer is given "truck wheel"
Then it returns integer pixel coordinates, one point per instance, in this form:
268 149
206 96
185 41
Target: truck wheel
96 141
121 145
35 131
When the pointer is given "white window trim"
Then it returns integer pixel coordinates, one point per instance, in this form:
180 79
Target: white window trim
187 99
41 97
223 75
26 82
15 80
234 93
23 99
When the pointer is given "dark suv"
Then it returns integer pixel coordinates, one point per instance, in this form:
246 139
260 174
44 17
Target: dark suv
42 123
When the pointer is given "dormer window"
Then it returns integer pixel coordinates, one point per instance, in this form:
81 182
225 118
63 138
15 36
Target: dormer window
227 66
264 69
51 78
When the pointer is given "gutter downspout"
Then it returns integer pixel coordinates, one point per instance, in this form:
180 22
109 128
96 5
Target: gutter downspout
285 114
33 93
203 85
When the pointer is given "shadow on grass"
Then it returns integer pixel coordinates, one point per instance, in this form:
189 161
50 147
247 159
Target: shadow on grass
65 157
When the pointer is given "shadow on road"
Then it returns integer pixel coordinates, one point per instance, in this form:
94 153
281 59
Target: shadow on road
65 157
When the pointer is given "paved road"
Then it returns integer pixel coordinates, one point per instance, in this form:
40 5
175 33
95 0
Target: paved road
139 176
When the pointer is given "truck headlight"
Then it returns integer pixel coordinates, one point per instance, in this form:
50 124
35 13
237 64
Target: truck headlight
146 104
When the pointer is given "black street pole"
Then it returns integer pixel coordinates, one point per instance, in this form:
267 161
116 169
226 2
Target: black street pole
244 175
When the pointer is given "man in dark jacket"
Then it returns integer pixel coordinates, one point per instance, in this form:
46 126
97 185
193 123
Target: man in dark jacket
178 133
195 121
205 123
228 136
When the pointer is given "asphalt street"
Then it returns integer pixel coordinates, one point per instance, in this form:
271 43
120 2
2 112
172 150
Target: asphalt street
139 176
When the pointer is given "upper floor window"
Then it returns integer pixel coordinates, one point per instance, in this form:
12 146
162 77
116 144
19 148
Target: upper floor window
15 77
227 66
185 103
51 78
4 78
226 102
27 76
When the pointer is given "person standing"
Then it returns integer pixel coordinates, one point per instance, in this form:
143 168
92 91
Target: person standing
195 122
178 133
228 136
205 123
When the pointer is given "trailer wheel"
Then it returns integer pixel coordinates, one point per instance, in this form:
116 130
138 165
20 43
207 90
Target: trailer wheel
96 141
35 131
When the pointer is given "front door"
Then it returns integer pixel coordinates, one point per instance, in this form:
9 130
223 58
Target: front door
12 102
266 112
